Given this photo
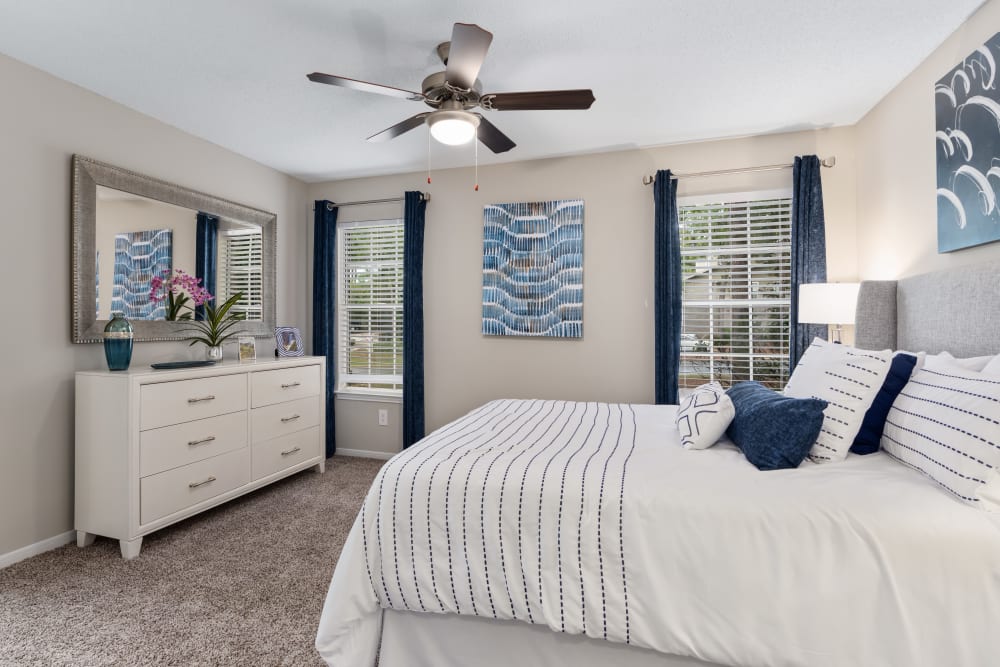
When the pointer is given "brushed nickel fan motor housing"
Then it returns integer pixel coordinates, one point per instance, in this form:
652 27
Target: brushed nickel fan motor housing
437 91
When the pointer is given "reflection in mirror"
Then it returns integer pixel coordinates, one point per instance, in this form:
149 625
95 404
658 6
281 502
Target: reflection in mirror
240 267
139 239
131 232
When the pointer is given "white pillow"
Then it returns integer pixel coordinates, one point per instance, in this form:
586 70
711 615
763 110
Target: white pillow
848 379
946 424
945 359
993 367
704 416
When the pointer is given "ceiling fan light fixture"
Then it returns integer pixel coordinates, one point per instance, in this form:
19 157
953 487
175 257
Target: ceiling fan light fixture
453 127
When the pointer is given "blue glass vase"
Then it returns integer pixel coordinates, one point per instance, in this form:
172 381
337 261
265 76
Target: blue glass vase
118 343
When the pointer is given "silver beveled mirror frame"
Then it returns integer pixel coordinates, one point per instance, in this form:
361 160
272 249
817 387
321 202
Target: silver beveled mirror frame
87 175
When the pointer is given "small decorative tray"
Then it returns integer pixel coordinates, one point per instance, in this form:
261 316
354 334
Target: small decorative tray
167 365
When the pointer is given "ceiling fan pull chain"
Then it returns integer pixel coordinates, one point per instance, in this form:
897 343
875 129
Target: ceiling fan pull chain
428 158
476 142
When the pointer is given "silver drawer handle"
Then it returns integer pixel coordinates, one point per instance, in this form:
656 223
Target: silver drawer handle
192 443
291 451
195 485
285 420
203 398
290 385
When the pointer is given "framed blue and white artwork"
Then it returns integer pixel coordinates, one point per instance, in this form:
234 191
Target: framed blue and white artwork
967 105
533 269
288 342
139 256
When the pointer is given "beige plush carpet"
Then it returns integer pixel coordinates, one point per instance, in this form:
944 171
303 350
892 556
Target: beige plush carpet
242 584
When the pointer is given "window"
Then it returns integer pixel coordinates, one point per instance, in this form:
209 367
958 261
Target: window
736 298
241 270
370 306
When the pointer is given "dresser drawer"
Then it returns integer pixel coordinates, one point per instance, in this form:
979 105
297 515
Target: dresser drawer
171 491
277 454
174 446
283 418
286 384
167 403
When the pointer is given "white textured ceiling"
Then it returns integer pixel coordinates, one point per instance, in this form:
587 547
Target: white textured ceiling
663 71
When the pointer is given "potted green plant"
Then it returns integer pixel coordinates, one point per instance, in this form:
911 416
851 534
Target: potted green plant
217 327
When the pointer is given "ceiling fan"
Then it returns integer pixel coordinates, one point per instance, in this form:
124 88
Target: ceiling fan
454 92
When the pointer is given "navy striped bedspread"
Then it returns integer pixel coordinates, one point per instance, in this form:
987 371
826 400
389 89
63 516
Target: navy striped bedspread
502 511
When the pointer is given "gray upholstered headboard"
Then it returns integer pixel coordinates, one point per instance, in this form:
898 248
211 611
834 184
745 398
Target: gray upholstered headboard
957 310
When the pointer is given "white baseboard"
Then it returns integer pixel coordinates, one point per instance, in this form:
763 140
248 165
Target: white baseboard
36 548
365 454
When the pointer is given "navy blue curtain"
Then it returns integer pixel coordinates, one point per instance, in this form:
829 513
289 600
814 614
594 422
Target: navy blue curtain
206 255
808 248
667 288
413 318
324 334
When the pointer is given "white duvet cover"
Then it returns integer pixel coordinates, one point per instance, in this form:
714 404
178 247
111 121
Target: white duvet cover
591 518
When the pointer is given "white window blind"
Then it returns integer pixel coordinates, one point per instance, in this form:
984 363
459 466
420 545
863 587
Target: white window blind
241 271
370 305
736 298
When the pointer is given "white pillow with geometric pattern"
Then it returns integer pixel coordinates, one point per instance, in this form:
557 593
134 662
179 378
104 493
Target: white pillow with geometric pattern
704 416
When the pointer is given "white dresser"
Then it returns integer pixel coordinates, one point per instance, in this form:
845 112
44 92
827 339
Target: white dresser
155 447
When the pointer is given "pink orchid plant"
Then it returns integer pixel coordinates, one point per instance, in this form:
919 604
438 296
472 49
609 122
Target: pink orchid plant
177 290
183 291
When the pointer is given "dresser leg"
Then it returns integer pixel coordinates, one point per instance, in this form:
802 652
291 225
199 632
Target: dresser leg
130 548
321 467
84 539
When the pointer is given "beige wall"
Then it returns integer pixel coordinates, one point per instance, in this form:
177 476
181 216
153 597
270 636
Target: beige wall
897 205
614 360
358 431
43 121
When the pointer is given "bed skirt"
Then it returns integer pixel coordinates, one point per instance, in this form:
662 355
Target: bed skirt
414 639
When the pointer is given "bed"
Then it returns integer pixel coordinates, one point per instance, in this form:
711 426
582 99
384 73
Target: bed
554 532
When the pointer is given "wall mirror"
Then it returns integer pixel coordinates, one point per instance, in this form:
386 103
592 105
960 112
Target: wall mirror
129 229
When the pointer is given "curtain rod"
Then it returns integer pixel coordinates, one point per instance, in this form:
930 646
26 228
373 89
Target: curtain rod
424 196
828 162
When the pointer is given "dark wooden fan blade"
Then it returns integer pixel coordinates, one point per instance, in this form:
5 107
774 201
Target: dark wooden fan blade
541 100
363 86
469 44
400 128
492 137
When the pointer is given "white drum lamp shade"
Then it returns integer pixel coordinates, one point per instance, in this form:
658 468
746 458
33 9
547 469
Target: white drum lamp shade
828 303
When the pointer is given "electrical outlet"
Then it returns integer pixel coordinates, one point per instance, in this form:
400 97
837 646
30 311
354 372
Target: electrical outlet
383 417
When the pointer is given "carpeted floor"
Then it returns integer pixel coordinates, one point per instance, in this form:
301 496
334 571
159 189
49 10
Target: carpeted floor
242 584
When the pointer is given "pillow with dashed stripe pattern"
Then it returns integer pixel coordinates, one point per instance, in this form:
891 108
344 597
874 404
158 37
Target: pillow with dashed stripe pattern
848 379
946 424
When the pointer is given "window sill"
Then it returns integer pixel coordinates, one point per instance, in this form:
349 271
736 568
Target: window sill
362 395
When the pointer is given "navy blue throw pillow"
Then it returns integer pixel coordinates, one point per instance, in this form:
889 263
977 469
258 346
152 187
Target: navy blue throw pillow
773 431
870 435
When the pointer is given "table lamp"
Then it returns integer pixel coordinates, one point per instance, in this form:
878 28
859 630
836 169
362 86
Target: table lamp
828 303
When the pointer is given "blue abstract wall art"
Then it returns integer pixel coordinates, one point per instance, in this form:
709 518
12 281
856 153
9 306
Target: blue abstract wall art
139 256
533 269
968 150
